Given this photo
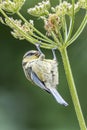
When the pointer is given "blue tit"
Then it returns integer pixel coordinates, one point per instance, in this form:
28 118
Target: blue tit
42 72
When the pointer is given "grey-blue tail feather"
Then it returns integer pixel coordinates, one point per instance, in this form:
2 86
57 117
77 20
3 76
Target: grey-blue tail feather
58 97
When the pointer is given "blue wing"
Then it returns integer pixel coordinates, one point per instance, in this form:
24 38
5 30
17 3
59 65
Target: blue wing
37 81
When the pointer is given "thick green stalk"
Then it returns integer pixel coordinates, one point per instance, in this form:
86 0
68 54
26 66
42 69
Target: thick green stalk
72 88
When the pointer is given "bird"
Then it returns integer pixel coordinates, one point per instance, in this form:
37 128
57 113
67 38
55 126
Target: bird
43 72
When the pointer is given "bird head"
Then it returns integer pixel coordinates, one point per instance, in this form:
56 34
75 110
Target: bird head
30 56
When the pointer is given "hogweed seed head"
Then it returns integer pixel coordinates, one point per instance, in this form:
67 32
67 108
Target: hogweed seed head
41 9
65 8
22 26
11 6
83 4
52 23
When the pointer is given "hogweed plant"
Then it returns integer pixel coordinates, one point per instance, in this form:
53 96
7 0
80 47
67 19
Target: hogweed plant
58 32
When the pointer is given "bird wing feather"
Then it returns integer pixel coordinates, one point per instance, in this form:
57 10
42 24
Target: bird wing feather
37 81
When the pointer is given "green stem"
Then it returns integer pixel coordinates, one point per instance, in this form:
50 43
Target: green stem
70 29
72 88
78 32
55 39
71 23
64 28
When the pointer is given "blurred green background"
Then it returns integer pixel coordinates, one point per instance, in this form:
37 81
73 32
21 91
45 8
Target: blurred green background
26 107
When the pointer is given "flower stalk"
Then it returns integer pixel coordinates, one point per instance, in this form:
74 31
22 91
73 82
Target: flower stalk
72 88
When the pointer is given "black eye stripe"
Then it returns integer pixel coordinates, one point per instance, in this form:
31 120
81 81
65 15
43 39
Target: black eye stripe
30 53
